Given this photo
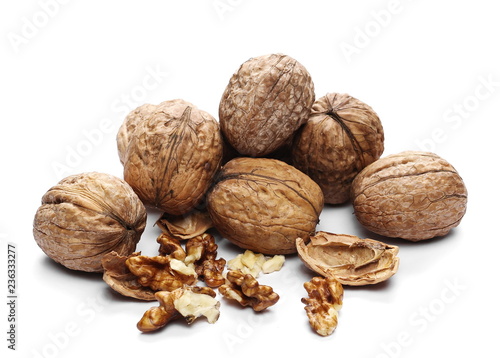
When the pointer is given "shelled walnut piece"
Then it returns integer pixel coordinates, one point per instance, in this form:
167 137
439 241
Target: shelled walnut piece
255 263
140 276
247 291
189 302
324 302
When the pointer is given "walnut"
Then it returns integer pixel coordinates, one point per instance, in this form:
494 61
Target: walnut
323 304
341 137
247 291
161 273
202 252
185 226
172 156
410 195
253 264
187 302
351 260
119 278
87 215
264 204
170 246
265 102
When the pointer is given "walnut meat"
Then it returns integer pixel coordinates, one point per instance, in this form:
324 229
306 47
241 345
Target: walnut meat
265 102
351 260
410 195
341 137
264 204
87 215
172 156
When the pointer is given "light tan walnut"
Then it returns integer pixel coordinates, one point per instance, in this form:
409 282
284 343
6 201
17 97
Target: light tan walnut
264 204
253 264
351 260
202 253
265 102
87 215
172 157
247 291
170 246
187 302
341 137
322 305
410 195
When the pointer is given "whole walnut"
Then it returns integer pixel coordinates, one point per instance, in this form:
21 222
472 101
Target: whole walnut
265 102
264 205
87 215
411 195
172 156
341 137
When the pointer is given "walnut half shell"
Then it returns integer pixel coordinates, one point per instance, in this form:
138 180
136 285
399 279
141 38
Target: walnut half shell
351 260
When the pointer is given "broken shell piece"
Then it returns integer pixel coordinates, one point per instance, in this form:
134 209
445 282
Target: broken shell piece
185 226
353 261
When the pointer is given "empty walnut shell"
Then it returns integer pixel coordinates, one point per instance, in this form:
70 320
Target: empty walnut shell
264 204
86 216
410 195
265 102
341 137
351 260
172 156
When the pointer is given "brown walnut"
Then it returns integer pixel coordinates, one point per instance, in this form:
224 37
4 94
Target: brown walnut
410 195
264 204
172 156
341 137
265 102
87 215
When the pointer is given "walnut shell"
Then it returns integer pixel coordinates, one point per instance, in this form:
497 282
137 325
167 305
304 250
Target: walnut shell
351 260
411 195
128 126
264 204
86 216
172 156
265 102
341 137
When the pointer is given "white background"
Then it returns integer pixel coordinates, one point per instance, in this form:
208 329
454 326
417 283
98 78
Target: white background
71 70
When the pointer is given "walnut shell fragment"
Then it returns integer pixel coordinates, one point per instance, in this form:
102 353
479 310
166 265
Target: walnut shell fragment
264 204
185 226
87 215
341 137
411 195
172 156
265 102
351 260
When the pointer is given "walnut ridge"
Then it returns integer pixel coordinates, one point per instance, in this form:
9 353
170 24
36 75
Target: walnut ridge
265 102
264 204
341 137
411 195
87 215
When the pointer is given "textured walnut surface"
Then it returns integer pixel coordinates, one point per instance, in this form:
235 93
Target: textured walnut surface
172 157
411 195
265 102
87 215
264 204
341 137
351 260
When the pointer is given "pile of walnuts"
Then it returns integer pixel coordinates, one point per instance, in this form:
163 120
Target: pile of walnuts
260 177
